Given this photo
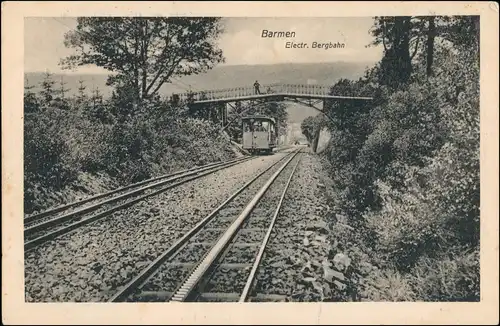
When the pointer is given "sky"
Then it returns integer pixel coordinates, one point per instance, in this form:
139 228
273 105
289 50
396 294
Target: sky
241 41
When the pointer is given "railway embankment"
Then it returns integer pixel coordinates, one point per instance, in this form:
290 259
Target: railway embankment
315 254
93 261
69 155
303 262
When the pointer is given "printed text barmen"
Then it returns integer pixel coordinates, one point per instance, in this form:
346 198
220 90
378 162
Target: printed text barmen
266 33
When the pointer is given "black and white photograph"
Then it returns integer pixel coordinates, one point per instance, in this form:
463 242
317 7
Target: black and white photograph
227 159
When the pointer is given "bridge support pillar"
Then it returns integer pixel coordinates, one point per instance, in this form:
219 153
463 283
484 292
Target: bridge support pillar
223 114
316 140
317 132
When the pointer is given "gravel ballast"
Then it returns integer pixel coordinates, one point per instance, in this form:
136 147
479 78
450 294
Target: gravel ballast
92 262
296 262
212 231
248 239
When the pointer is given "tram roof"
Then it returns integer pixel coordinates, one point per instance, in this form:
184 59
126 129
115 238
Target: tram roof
258 117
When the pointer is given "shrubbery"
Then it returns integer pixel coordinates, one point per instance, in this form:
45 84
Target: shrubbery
48 161
406 174
157 138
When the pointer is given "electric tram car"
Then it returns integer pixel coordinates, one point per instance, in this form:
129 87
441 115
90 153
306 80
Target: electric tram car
259 134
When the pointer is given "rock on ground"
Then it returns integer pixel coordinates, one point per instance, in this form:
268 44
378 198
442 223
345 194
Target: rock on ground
91 263
296 263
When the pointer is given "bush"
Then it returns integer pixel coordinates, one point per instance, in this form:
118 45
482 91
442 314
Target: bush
60 145
153 142
389 286
410 186
406 227
451 277
48 163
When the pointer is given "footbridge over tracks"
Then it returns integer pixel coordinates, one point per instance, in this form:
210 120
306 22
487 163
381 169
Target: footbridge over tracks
311 95
283 91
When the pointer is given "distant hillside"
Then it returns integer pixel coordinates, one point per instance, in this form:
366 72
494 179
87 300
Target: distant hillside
232 76
239 76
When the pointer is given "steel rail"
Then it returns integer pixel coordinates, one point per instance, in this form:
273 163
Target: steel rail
146 273
256 264
51 235
182 293
34 217
48 223
58 209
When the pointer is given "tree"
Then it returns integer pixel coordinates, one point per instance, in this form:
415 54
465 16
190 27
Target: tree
62 89
82 96
61 101
47 91
97 110
145 53
308 127
31 104
431 35
462 31
402 35
312 126
394 33
96 97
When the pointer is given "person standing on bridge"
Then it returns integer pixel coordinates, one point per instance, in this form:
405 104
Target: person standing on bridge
256 85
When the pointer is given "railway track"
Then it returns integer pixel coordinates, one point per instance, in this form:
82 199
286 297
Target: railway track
52 223
228 239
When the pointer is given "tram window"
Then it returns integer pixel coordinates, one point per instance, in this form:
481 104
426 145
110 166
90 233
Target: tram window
247 127
265 126
257 126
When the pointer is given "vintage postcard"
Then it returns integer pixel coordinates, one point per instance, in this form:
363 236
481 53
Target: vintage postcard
278 162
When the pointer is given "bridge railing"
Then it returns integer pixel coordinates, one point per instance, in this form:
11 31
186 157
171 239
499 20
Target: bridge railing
239 92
